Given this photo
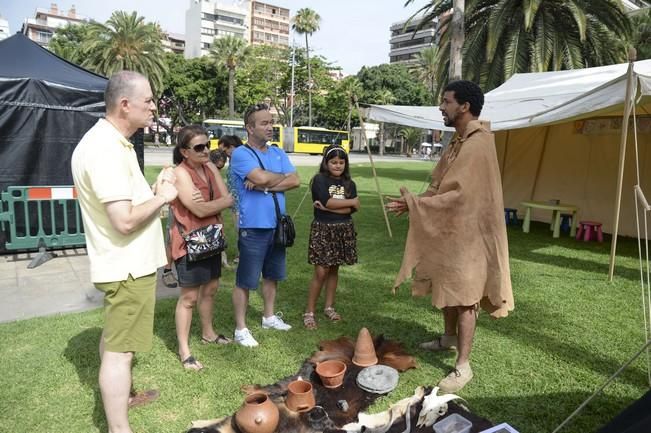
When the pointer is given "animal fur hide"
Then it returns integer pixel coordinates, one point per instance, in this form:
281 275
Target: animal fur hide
357 400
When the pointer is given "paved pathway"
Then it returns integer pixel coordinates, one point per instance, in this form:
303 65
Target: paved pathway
60 285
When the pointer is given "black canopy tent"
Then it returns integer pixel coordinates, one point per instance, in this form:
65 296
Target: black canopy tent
46 105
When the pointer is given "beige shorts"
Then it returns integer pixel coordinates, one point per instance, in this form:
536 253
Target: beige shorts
129 314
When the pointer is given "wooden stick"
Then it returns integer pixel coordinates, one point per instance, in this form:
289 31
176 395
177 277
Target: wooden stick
622 159
370 157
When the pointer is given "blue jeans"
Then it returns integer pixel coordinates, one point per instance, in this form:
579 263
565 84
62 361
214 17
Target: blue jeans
258 254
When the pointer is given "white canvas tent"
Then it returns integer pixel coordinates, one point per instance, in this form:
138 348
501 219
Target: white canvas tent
558 137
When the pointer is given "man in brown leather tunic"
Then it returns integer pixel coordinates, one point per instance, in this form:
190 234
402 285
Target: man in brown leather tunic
456 245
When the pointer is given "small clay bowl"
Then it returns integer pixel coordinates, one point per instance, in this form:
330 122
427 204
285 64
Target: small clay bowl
331 373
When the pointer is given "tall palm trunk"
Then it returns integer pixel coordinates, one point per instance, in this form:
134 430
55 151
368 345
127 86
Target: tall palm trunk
456 40
309 82
231 92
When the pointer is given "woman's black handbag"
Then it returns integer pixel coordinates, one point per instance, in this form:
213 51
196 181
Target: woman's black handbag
204 242
285 231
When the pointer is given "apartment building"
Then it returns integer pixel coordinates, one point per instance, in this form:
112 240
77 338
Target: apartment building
269 24
405 46
208 20
41 28
173 42
4 28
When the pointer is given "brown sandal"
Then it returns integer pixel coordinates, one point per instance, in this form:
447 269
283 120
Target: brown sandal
309 321
191 363
331 314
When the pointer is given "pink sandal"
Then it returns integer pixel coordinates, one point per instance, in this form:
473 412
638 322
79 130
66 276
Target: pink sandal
331 314
309 321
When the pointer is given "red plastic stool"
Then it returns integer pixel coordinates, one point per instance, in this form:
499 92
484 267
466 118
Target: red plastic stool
587 229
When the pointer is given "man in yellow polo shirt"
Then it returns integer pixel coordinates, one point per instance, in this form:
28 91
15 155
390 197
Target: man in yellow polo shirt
124 237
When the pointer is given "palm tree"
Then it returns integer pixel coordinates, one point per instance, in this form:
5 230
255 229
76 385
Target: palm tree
411 137
307 22
352 88
504 37
126 41
383 97
230 51
428 61
641 40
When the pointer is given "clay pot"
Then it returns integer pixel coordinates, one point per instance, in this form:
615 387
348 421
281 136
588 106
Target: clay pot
300 397
331 373
364 349
258 414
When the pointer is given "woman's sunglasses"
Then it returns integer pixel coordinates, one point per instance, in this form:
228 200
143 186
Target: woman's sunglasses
199 148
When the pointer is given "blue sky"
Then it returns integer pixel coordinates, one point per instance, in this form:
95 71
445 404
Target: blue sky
353 33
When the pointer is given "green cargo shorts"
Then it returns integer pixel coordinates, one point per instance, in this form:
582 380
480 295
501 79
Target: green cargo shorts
129 314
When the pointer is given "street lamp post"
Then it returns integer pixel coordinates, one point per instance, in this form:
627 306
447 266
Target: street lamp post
291 93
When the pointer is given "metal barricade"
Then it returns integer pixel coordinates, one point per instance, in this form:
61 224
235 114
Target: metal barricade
41 217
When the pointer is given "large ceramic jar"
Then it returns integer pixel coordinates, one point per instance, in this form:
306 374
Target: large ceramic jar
258 414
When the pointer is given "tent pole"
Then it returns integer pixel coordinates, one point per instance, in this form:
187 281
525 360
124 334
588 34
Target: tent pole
370 157
506 147
542 156
622 159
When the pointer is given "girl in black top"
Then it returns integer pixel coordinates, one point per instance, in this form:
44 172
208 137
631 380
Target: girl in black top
332 234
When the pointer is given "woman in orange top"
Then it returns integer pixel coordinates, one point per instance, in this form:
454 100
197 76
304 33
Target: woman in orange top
202 197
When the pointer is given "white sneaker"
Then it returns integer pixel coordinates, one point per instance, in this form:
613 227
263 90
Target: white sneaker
244 338
275 322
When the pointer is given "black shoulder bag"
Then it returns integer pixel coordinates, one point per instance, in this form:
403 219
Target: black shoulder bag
205 241
285 231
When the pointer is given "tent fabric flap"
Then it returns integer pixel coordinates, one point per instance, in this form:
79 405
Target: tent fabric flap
535 99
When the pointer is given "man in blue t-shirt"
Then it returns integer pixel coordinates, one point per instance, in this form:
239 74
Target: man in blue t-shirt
258 254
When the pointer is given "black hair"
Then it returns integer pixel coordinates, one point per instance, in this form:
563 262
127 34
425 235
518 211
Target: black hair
467 91
335 150
253 109
218 155
183 138
230 141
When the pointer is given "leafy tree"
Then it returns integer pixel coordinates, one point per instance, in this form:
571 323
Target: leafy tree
641 39
126 41
307 22
351 89
262 75
394 78
338 107
68 42
322 84
192 89
504 37
230 51
428 61
411 137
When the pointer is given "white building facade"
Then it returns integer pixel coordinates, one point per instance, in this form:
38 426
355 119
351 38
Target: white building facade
207 20
269 24
405 46
4 28
41 28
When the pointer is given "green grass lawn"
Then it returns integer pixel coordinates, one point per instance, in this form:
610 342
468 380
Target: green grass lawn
570 330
